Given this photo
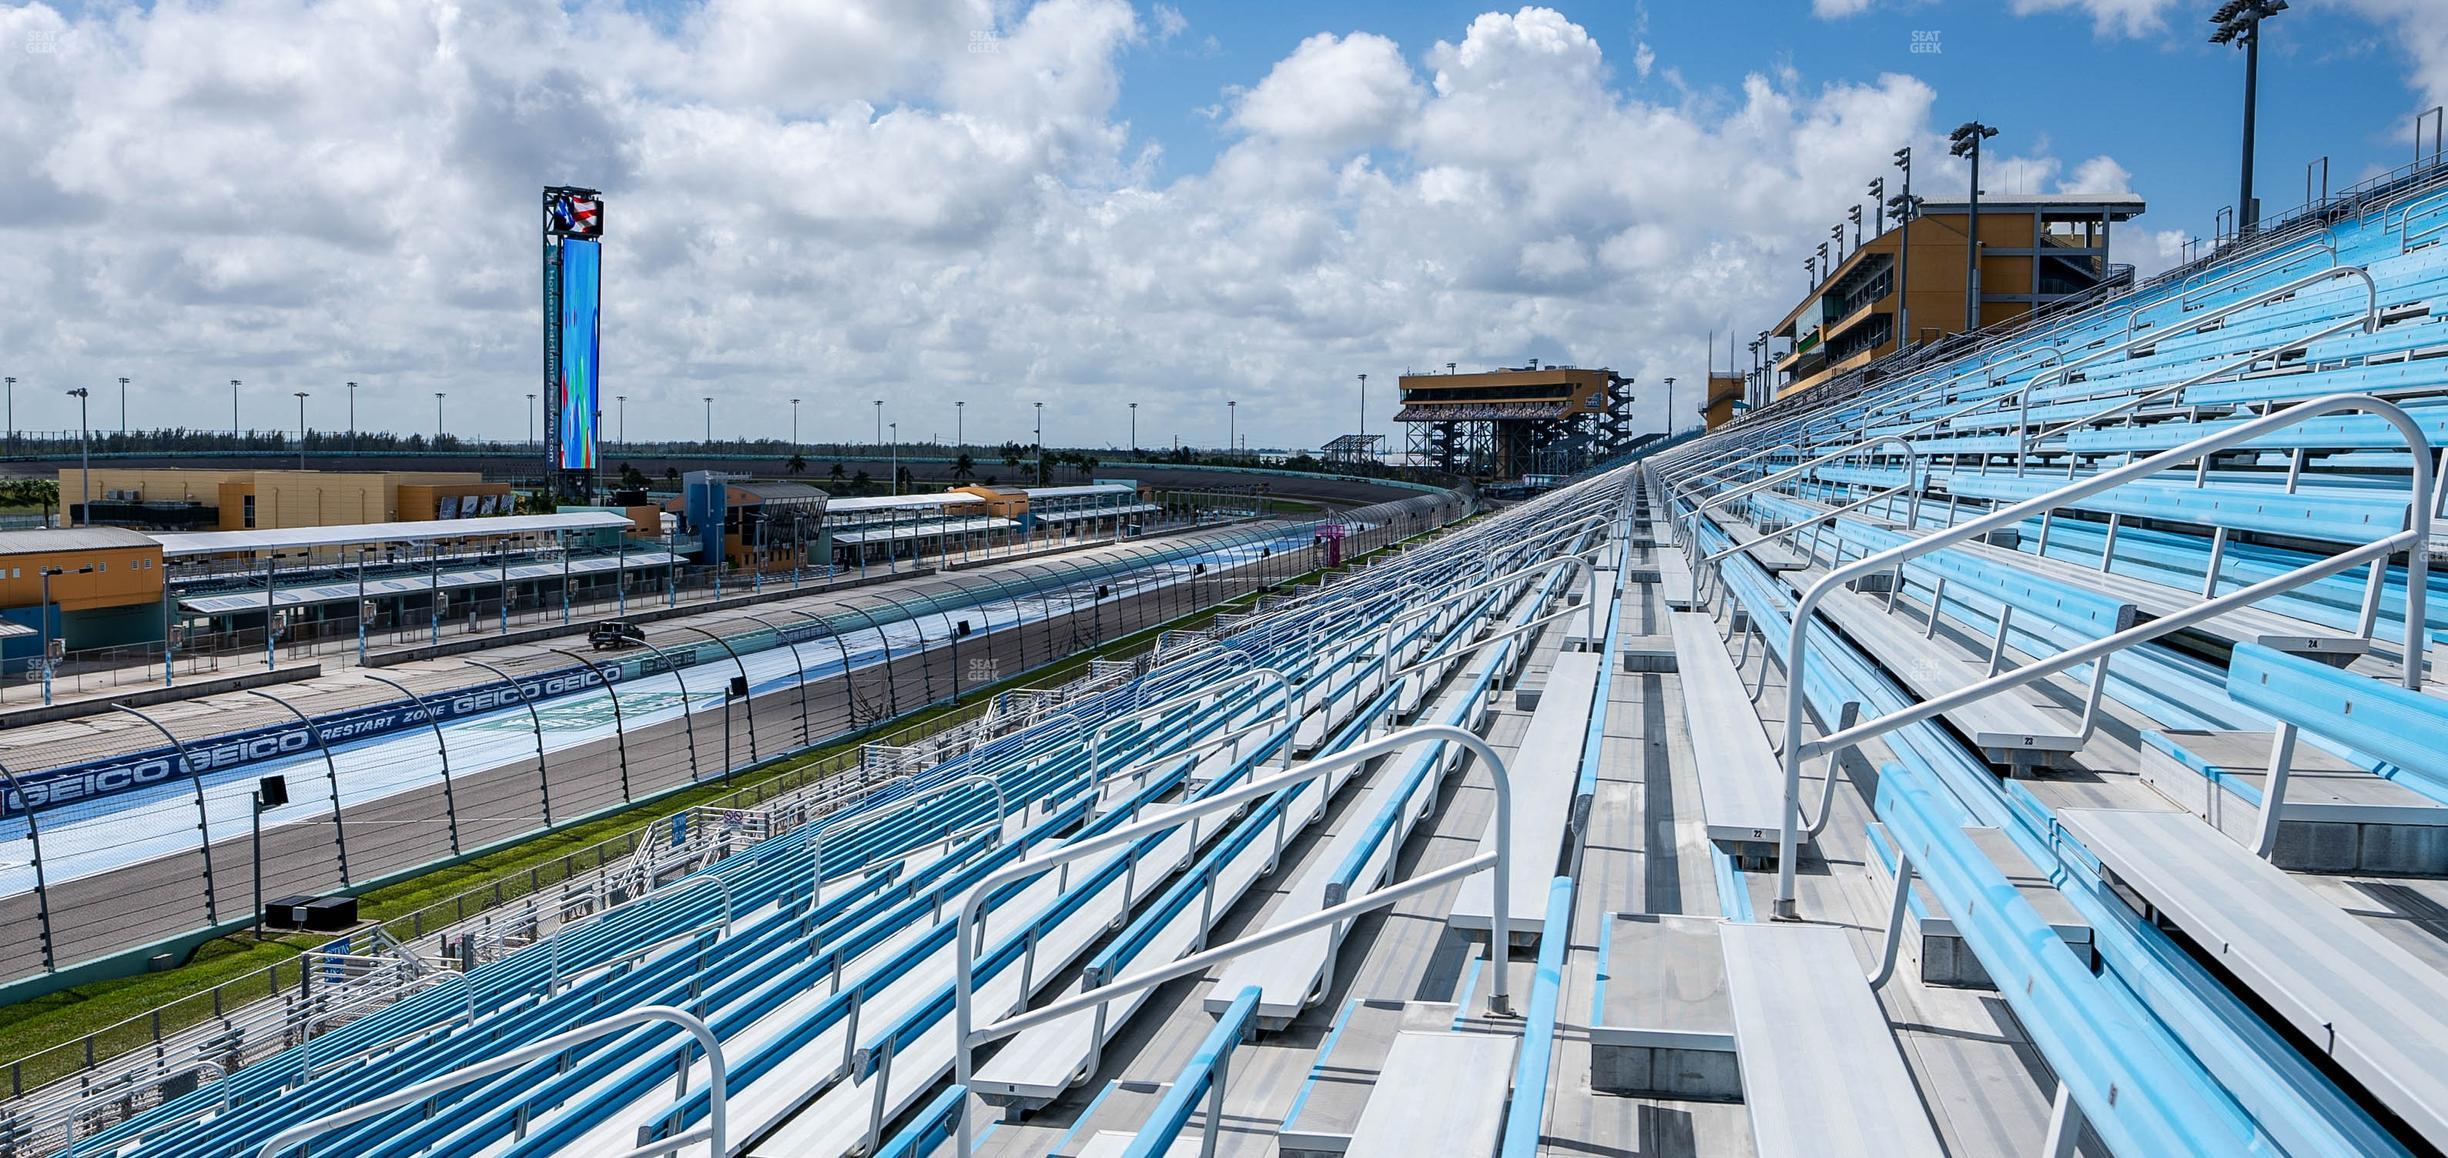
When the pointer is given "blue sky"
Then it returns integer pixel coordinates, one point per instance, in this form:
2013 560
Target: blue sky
1107 201
2166 103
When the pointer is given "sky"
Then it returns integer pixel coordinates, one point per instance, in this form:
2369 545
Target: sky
1080 203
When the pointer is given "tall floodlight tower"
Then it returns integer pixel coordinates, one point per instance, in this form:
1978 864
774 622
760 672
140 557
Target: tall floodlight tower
573 313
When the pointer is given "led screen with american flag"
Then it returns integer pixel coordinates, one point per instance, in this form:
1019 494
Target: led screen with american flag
574 213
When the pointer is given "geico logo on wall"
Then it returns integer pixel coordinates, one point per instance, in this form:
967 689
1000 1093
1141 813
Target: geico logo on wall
110 777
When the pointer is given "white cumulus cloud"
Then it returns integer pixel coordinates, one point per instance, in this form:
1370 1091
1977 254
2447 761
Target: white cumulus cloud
2110 17
1337 92
924 202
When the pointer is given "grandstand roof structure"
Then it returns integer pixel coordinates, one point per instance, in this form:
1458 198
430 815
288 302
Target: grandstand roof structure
185 543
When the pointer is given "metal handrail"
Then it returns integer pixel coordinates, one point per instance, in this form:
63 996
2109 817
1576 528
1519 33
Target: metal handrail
715 1132
1517 575
307 1065
906 803
2405 214
2326 243
2371 291
2369 322
1448 656
969 1036
1195 749
1728 468
552 952
1797 650
101 1097
1912 518
1915 475
2028 440
1283 687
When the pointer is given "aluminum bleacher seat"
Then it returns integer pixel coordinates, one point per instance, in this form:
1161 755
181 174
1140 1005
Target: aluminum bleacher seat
2371 1007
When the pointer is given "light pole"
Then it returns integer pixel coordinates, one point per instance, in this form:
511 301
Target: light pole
623 399
1670 406
709 425
1040 437
1232 427
1134 409
352 389
1903 205
84 460
794 426
1853 212
1767 372
879 438
2239 22
301 397
1752 378
960 424
1965 141
896 457
12 413
1362 449
123 405
233 407
531 419
439 395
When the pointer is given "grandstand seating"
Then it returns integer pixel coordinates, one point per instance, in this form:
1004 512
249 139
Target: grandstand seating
2158 558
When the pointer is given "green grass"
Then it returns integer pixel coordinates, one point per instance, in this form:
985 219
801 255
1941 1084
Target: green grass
63 1017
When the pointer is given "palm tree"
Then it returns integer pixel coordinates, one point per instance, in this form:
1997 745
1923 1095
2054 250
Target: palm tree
797 464
962 466
837 472
860 482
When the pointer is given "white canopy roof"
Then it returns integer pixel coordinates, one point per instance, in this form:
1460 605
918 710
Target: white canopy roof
416 531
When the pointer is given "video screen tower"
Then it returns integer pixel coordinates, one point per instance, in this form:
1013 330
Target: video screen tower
573 311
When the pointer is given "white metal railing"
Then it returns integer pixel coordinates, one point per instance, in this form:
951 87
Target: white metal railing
896 808
715 1133
969 1035
2415 540
552 952
2368 322
104 1097
1283 688
1915 475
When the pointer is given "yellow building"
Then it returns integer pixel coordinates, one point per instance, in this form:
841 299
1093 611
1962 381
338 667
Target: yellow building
2034 250
105 589
1511 422
238 500
1725 389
